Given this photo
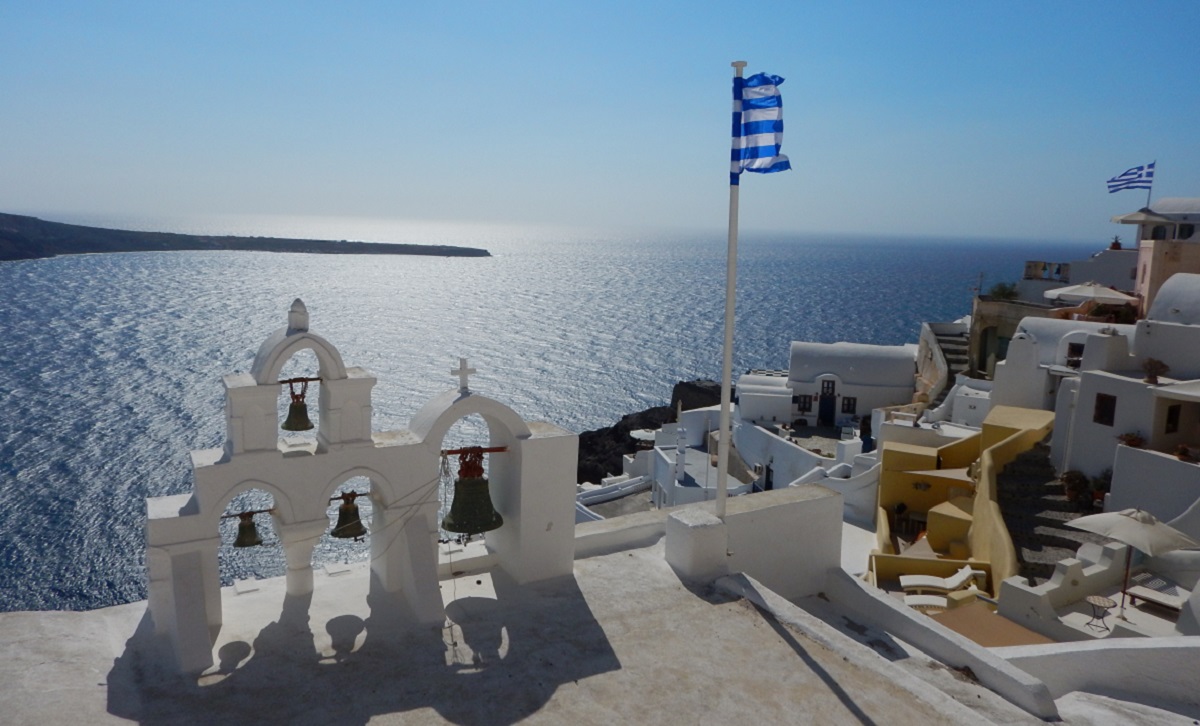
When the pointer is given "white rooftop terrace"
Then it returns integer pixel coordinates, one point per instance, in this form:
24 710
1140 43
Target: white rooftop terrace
621 640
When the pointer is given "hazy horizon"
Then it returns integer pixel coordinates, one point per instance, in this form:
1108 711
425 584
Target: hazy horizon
981 120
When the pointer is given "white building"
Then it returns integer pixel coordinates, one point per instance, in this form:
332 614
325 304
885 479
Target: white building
1167 244
1044 351
967 403
1110 415
830 384
1113 267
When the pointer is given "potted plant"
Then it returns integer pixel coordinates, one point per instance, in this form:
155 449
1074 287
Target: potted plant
1183 453
1133 438
1075 484
1003 291
1153 368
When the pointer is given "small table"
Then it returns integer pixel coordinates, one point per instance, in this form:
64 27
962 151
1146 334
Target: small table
1100 607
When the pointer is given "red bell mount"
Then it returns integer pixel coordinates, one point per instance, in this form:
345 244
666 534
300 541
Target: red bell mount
247 514
470 459
291 384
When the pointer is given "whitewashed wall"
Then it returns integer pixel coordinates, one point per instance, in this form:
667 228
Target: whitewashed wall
1020 379
788 461
1156 482
1092 444
1115 268
1176 345
1149 670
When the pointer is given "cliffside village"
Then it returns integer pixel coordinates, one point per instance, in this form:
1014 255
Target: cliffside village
995 523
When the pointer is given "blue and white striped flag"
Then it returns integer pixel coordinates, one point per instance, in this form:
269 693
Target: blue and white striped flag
757 126
1139 177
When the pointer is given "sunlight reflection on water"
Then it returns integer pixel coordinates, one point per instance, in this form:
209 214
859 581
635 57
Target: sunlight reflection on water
112 363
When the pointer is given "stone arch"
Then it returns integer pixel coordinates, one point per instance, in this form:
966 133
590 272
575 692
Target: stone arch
819 385
829 376
1062 349
285 512
430 424
285 342
381 486
277 350
526 484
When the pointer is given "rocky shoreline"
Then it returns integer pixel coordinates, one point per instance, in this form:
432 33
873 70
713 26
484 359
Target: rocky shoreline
600 451
30 238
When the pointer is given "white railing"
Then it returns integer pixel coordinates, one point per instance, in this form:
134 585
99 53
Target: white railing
583 514
614 491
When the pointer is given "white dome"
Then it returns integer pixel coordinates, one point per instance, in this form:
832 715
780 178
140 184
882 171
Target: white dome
1178 300
855 363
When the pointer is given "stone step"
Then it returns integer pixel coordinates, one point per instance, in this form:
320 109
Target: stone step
1036 512
1022 522
1011 491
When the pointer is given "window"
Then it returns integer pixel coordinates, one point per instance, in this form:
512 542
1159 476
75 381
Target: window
1074 354
1106 409
1186 231
1172 419
849 404
828 388
804 403
1159 232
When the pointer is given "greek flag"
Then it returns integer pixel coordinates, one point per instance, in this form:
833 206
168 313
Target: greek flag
1139 177
757 126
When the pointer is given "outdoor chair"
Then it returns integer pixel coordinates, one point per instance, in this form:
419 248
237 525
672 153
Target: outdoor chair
932 583
1157 590
927 604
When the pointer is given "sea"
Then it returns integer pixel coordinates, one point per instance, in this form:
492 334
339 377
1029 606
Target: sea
111 365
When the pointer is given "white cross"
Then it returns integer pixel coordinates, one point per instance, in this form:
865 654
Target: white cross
462 373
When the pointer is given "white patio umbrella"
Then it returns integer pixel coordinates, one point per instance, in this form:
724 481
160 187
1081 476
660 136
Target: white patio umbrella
1138 529
1089 291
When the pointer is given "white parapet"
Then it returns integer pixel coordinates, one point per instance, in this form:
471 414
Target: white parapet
697 544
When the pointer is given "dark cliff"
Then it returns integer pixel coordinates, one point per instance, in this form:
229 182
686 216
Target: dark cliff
600 451
27 238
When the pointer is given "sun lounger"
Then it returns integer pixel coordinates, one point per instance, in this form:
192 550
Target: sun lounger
932 583
926 603
1158 590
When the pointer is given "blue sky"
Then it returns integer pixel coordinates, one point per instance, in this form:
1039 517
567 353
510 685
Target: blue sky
992 119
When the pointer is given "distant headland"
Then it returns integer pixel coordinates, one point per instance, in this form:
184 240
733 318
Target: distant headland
29 238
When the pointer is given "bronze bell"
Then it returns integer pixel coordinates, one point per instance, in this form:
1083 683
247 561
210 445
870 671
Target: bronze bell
297 418
247 535
349 524
471 511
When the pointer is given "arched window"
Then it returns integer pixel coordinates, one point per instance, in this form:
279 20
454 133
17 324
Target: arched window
1158 232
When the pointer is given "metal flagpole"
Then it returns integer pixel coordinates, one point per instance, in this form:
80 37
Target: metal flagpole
727 367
